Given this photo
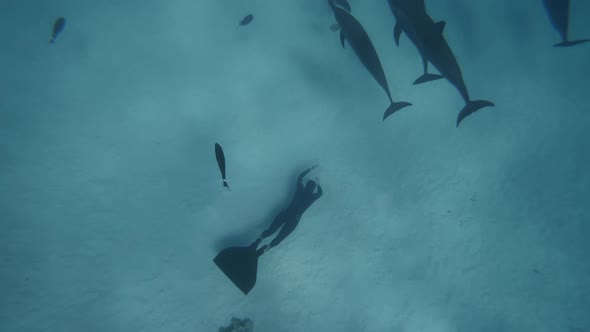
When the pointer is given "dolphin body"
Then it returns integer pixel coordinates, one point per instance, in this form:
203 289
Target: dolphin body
435 49
353 32
559 12
406 13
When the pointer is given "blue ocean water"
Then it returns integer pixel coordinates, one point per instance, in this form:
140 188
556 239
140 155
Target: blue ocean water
112 206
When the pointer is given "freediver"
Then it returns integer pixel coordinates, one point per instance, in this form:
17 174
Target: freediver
289 218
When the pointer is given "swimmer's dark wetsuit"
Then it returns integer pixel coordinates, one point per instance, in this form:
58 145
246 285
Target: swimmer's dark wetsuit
289 218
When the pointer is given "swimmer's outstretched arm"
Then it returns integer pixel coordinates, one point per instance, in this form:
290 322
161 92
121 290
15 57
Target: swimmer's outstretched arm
303 174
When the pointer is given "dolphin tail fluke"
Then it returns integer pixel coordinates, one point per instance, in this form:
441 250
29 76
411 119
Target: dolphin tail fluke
225 185
394 107
427 78
472 107
569 43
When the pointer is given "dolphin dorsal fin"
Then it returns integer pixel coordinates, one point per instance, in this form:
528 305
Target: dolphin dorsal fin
440 26
397 32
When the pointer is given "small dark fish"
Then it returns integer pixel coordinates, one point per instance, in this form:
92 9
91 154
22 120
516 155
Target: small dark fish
246 20
334 27
58 27
221 163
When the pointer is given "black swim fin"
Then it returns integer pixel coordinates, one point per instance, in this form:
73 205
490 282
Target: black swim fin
472 107
240 265
394 107
427 78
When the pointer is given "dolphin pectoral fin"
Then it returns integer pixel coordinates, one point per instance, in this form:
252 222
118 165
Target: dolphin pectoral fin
440 26
569 43
427 78
472 107
394 107
397 32
342 38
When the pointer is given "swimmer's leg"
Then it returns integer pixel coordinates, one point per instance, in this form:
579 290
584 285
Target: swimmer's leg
287 229
276 224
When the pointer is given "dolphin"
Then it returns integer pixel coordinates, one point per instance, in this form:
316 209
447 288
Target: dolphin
435 49
353 32
439 53
406 13
558 11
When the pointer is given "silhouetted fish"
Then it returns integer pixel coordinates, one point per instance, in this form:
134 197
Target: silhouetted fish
221 163
559 12
353 32
58 27
246 20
